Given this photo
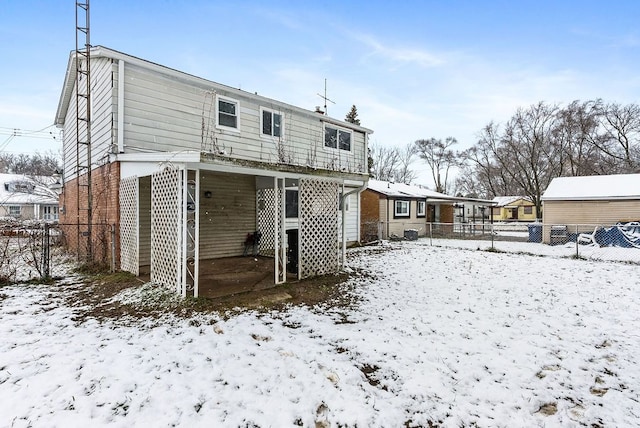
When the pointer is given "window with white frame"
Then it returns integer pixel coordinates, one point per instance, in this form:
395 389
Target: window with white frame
228 113
421 210
14 210
402 209
50 212
271 123
337 138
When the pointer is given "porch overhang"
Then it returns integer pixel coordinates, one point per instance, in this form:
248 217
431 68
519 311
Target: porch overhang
146 163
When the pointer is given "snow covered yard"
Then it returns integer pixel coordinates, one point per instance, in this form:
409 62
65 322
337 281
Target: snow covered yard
438 337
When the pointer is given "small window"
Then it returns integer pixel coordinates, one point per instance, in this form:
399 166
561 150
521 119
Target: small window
14 210
528 209
291 204
402 209
335 138
228 113
421 209
271 123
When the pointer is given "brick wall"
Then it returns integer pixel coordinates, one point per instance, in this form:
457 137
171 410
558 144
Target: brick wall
105 182
369 215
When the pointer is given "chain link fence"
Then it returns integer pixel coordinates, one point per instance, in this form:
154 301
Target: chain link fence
39 251
613 242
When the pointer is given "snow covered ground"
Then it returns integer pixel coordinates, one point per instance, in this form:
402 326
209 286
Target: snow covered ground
442 336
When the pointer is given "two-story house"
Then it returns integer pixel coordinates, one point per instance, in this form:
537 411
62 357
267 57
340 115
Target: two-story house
186 168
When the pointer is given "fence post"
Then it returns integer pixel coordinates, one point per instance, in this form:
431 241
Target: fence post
113 248
577 246
431 234
492 237
46 252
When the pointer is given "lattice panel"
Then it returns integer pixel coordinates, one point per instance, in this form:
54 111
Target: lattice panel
318 234
166 230
267 205
129 225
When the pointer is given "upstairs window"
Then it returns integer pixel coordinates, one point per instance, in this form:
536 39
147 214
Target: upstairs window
402 209
271 123
228 113
337 138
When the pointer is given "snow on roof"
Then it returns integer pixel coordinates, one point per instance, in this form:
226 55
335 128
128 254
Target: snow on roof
21 195
594 187
502 201
401 190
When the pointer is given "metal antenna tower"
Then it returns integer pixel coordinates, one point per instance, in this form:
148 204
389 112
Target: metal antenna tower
324 97
83 126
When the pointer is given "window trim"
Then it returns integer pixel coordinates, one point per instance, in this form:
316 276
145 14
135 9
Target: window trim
395 208
50 212
273 112
339 130
424 209
14 207
237 116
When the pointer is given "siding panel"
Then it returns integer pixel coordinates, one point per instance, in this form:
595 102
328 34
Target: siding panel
226 217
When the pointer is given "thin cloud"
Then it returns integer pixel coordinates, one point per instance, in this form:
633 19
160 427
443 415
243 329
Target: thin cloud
400 54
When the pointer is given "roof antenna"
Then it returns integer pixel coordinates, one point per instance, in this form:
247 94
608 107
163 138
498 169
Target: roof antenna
324 97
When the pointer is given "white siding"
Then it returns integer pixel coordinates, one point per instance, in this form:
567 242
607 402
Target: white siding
102 102
163 113
226 217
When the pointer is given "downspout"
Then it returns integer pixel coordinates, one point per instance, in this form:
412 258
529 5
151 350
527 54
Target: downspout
344 219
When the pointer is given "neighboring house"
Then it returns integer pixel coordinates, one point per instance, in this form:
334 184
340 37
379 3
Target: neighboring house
25 198
186 168
581 203
513 208
389 209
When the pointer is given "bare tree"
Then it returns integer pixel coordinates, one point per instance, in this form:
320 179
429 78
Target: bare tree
403 172
385 161
37 164
480 173
545 141
622 129
578 133
440 158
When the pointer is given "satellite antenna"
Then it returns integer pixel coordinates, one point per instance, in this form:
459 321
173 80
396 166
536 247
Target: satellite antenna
324 97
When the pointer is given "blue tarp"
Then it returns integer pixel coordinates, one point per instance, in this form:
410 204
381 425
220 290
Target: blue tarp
621 235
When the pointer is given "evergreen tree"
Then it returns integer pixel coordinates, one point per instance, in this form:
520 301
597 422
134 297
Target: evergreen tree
352 116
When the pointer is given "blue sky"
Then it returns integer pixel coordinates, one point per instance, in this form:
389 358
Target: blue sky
414 69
